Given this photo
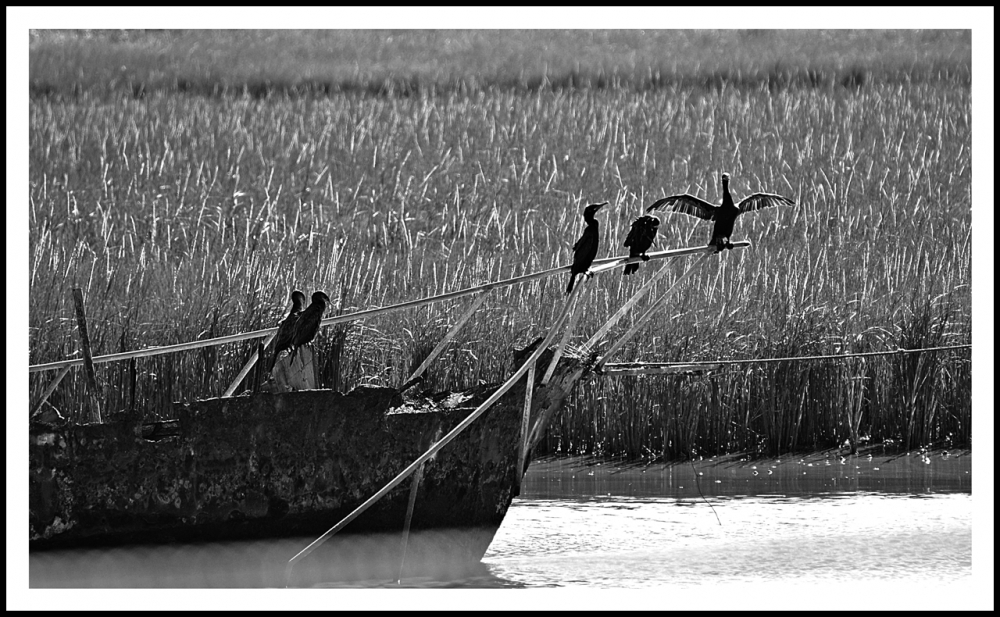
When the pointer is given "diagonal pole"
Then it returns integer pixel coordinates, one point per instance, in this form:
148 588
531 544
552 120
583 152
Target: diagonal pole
49 389
414 484
525 418
625 308
448 337
249 365
567 335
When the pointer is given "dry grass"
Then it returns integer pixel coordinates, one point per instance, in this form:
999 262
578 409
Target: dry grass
187 217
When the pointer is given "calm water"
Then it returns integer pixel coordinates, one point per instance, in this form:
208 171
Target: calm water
822 519
587 525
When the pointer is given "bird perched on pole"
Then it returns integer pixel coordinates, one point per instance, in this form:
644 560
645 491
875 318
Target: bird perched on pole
724 215
585 249
283 339
308 323
640 238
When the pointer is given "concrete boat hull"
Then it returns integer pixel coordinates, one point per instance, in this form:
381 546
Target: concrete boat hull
286 465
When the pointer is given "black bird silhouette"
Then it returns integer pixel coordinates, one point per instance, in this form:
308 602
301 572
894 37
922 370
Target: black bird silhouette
308 323
639 239
585 249
725 215
283 339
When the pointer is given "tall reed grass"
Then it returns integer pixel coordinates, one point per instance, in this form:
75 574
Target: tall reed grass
186 217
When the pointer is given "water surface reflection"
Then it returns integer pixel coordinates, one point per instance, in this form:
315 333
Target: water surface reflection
820 518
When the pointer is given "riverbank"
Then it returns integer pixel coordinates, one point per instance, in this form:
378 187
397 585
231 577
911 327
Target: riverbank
871 470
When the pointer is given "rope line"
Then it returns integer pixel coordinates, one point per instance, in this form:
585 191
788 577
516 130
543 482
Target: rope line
765 360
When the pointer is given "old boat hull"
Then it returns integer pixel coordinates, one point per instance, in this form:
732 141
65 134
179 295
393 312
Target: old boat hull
287 465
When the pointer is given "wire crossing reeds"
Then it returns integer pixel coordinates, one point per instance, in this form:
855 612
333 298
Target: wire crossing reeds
712 364
649 368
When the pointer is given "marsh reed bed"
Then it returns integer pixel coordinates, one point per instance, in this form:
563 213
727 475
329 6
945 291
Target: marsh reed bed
184 216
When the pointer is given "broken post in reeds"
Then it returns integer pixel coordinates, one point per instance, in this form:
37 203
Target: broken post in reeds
647 315
459 428
132 378
440 347
93 400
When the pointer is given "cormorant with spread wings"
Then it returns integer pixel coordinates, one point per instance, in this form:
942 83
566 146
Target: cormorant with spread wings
724 215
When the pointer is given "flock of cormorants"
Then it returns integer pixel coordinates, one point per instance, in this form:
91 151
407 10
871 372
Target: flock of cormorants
300 326
643 232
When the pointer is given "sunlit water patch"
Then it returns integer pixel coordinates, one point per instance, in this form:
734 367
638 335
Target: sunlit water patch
580 523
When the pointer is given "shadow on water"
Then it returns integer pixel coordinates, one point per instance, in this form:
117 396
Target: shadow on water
369 561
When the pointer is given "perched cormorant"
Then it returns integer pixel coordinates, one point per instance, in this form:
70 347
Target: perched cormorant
725 215
283 339
585 249
639 239
308 323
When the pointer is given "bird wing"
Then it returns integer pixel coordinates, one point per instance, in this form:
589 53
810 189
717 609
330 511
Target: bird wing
687 204
634 232
302 323
650 228
763 200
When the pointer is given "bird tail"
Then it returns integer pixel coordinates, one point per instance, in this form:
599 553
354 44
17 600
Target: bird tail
630 269
569 288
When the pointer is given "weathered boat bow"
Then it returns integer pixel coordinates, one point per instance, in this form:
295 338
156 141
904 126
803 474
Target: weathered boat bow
287 464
